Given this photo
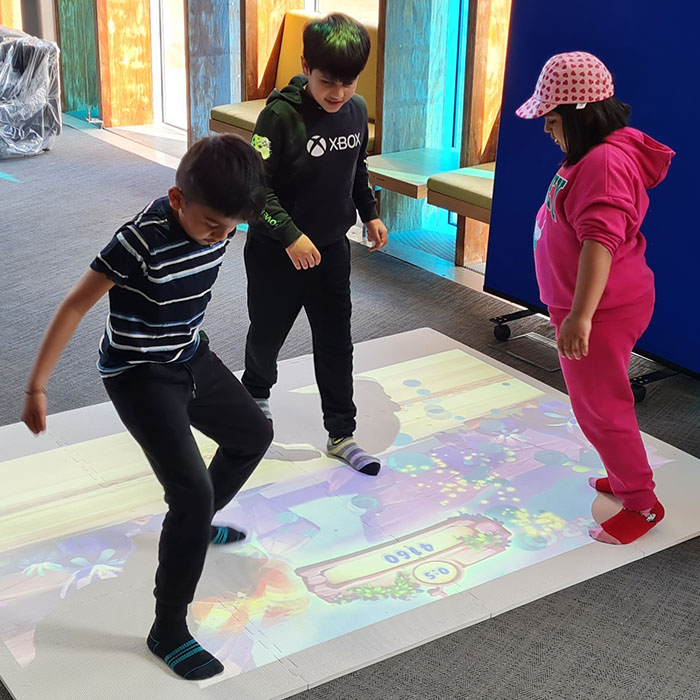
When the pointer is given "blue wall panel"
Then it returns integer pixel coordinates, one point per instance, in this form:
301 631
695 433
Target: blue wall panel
651 49
214 40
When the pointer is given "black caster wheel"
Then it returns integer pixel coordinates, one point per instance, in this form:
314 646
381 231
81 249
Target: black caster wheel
501 332
640 392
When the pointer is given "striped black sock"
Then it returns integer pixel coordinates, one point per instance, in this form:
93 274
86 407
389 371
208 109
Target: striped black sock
220 534
172 642
351 453
264 406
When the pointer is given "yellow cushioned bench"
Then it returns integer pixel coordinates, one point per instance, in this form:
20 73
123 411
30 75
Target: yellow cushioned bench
240 118
466 191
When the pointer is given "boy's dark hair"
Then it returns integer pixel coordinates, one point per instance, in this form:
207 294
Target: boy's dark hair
588 127
336 45
224 173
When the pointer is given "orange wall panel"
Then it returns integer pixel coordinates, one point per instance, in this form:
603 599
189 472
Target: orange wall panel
263 26
11 13
124 32
495 63
487 38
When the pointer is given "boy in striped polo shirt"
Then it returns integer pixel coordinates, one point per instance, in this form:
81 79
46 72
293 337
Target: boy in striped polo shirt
161 375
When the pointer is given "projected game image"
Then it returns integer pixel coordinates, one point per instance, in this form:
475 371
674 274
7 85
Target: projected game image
483 474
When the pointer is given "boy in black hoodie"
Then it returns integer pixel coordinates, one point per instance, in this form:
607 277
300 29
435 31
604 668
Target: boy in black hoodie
312 136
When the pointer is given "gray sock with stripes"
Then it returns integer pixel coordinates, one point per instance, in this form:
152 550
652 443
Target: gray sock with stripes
172 642
351 453
264 406
220 534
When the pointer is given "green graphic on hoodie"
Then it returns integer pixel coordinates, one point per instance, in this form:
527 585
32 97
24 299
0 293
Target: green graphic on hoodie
262 145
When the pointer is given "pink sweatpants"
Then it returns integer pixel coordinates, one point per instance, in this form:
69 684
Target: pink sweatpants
603 403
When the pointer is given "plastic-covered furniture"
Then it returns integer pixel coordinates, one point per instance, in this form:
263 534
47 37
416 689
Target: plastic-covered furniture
30 94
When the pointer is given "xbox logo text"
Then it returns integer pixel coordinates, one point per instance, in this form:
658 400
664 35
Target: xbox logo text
317 146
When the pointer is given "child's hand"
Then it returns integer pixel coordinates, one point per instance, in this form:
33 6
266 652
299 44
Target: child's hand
572 341
377 234
34 412
303 253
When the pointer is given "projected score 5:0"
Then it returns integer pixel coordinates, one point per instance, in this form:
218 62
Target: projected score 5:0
429 572
438 573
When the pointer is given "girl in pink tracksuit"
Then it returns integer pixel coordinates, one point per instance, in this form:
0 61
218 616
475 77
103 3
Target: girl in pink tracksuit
591 270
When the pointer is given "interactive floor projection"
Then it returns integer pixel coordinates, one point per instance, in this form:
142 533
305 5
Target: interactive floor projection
485 473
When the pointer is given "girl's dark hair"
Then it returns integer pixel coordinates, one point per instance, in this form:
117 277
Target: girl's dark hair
588 127
226 174
336 45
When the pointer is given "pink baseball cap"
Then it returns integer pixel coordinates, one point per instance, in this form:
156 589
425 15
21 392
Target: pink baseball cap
576 78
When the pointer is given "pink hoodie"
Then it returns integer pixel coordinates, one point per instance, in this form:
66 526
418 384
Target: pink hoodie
602 198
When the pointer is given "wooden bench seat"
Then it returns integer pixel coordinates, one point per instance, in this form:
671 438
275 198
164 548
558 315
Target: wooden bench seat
466 191
408 172
432 173
239 118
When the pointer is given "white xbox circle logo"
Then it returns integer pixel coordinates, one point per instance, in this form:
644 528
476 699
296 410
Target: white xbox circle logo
316 146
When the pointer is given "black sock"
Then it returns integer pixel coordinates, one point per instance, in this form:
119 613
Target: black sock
170 640
225 535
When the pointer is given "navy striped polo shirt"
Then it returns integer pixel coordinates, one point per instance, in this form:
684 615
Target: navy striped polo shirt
163 282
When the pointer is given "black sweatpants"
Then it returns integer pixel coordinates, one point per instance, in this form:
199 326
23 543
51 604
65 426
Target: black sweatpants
277 292
158 403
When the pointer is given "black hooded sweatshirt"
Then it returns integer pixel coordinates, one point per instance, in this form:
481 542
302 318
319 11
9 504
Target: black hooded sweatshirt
316 167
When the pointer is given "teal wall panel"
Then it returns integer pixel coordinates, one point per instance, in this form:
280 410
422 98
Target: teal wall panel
76 20
417 51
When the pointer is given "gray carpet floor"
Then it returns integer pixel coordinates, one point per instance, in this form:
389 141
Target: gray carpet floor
631 633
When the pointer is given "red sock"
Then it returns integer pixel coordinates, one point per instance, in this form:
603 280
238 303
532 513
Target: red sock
602 484
628 525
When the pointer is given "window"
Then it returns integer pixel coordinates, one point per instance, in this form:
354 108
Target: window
174 71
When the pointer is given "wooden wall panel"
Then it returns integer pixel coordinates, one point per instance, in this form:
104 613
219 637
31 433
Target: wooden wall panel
486 54
487 43
79 75
499 22
472 241
213 49
11 14
263 21
124 30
